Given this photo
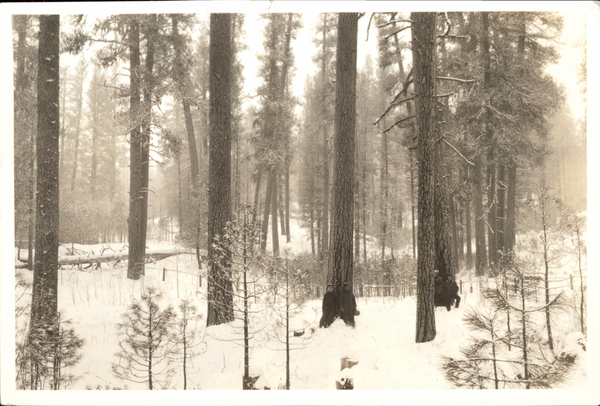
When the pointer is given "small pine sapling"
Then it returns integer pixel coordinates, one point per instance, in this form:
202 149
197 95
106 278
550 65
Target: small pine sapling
537 365
147 341
293 300
186 341
238 250
480 367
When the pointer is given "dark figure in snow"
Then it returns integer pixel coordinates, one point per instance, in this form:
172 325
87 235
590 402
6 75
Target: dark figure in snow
439 288
330 307
348 306
451 292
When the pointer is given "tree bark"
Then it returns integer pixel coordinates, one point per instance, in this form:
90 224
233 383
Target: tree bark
135 268
220 295
326 187
511 204
424 63
344 147
44 304
489 139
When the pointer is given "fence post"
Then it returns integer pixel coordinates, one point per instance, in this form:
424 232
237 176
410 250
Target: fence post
164 271
200 280
461 287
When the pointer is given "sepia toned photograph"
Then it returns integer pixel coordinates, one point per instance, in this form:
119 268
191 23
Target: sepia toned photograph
268 202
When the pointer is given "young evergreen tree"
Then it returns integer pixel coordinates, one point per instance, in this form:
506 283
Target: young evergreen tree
146 342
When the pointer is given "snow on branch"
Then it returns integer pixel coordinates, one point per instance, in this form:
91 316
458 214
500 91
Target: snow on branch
457 151
456 79
394 22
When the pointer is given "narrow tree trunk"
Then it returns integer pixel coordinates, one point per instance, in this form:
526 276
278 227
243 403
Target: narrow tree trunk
255 211
267 211
423 40
468 233
274 231
480 247
544 211
287 204
500 209
412 206
326 187
511 204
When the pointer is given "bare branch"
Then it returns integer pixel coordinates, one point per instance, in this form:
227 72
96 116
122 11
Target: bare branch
397 31
394 104
398 122
456 79
369 26
394 22
461 155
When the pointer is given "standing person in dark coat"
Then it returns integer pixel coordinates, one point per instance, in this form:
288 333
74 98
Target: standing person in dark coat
348 306
452 291
330 307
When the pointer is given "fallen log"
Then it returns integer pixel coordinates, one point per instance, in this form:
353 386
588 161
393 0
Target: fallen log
151 256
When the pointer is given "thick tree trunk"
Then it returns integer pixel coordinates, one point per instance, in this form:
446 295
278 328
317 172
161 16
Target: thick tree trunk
220 295
423 40
341 261
135 268
44 304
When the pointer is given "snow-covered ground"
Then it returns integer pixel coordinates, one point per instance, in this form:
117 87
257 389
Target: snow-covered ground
383 343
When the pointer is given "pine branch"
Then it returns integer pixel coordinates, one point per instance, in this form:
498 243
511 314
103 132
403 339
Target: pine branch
398 122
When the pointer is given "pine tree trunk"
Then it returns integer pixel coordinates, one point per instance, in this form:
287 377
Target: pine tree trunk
480 247
424 63
287 204
468 233
326 187
274 230
511 204
220 295
44 303
135 268
489 139
501 209
341 260
255 211
266 216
